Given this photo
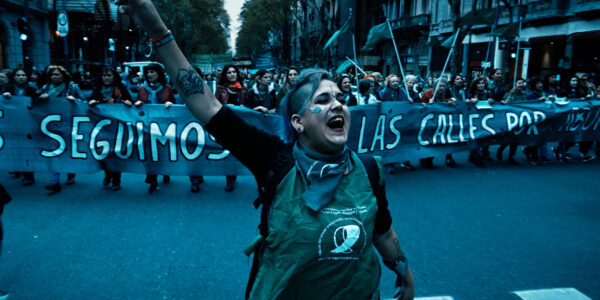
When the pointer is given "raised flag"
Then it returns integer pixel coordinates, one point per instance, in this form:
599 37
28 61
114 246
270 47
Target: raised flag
343 67
447 43
376 35
336 34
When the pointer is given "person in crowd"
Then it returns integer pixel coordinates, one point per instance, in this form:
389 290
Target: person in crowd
516 95
443 95
59 85
4 80
478 92
230 91
317 124
345 85
552 84
110 89
496 86
457 88
155 91
573 92
262 96
587 86
536 92
365 92
20 87
392 91
379 85
291 76
34 80
414 96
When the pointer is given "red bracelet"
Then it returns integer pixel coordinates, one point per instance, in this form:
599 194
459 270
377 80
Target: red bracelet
154 40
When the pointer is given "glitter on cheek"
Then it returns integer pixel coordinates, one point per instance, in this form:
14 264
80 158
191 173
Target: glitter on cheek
315 110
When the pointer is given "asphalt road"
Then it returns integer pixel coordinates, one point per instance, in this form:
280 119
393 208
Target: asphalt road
469 233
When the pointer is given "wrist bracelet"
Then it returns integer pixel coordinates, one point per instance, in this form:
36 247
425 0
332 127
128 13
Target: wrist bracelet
154 40
163 41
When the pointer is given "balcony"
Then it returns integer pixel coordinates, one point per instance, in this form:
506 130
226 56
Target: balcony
582 6
410 22
445 26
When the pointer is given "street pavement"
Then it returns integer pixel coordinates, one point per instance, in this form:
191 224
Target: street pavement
469 233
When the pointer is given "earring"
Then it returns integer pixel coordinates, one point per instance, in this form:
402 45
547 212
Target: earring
299 129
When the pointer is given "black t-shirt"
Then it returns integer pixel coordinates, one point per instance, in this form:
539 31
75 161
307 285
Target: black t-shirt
257 149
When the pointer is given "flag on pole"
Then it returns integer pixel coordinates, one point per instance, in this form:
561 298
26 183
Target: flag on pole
377 34
343 66
447 43
336 34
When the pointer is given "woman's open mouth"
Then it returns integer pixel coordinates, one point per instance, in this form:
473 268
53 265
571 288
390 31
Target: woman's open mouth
336 123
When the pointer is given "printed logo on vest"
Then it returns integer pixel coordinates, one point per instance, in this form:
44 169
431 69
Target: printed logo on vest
342 239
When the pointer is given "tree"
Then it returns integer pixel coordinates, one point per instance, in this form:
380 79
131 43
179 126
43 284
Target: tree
200 26
265 27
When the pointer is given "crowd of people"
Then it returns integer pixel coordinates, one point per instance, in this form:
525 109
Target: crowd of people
264 90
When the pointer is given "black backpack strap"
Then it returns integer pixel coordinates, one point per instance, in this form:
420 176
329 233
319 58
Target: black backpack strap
281 166
372 169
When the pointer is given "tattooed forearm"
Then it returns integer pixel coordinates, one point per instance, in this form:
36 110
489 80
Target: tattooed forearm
189 82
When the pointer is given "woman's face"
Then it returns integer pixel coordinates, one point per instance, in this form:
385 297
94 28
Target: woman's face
346 85
292 76
20 77
394 82
265 80
108 78
458 81
151 75
56 77
573 82
539 86
410 84
231 75
33 77
3 79
442 87
481 85
326 119
521 85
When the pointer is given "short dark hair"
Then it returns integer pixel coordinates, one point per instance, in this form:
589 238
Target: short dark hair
162 78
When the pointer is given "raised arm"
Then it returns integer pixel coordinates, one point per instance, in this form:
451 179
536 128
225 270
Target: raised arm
194 91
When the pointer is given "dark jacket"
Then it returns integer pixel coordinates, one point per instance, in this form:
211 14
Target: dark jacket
29 91
254 99
119 94
225 97
72 89
394 95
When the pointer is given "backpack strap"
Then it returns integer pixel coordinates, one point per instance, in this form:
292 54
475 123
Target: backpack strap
372 169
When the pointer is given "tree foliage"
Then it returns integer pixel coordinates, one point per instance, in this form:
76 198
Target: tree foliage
200 26
265 26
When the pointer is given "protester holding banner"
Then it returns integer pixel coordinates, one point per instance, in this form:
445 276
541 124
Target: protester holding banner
20 87
442 95
59 85
229 91
110 89
345 85
321 180
289 82
411 80
155 91
262 96
517 94
457 88
496 86
392 91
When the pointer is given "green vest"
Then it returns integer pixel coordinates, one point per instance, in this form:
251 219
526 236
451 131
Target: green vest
320 255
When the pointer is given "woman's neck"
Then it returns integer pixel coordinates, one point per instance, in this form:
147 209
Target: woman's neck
262 87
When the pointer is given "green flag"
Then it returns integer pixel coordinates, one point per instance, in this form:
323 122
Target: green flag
377 34
447 43
343 67
336 34
508 30
478 17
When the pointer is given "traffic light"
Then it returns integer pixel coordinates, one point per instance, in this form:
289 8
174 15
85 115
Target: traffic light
23 26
